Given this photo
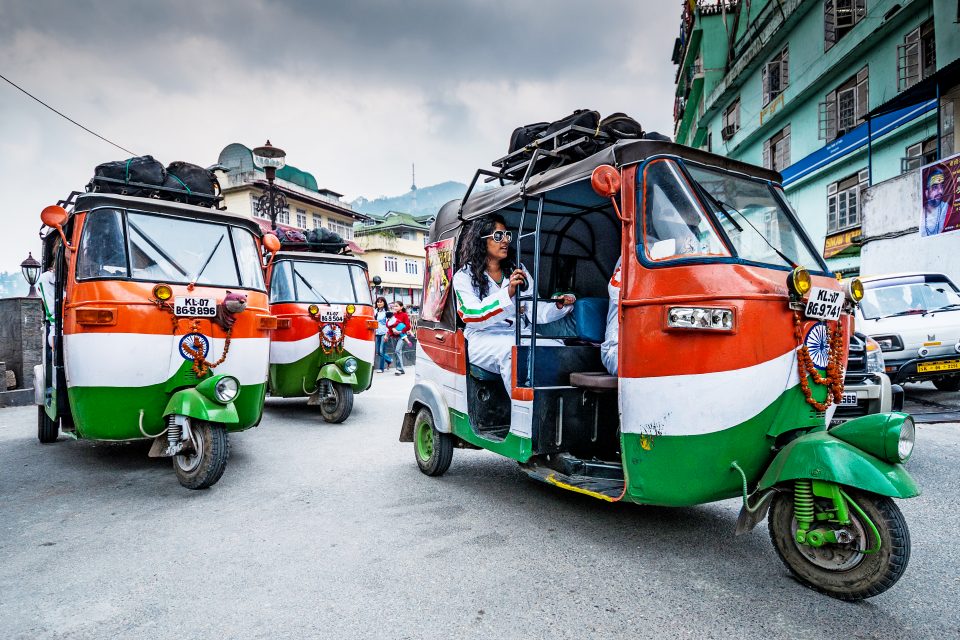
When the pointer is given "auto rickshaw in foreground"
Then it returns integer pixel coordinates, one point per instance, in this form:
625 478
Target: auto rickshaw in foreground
324 348
159 328
732 345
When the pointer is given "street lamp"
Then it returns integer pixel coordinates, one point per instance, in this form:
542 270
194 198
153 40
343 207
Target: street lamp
31 272
270 158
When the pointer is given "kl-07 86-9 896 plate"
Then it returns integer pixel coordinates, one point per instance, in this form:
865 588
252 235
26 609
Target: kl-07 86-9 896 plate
195 307
824 304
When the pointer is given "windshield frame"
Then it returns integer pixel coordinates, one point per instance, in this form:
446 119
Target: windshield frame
126 243
348 265
734 258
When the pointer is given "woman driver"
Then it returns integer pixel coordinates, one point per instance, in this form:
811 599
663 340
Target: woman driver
486 289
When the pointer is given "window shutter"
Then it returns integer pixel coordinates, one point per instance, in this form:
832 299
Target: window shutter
831 116
784 69
784 148
863 96
765 80
861 10
766 155
829 24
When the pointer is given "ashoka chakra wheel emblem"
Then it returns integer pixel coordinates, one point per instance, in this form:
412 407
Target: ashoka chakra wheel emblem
818 345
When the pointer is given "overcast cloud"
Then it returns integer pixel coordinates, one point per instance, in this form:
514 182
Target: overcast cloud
354 91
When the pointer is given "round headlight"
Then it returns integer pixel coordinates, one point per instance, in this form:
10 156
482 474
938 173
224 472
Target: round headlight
908 435
350 365
799 281
856 290
162 292
313 309
351 309
227 389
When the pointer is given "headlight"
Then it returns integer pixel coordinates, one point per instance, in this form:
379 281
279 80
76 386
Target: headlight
874 360
162 292
700 318
889 343
908 435
350 365
351 309
227 389
888 436
799 281
313 309
853 288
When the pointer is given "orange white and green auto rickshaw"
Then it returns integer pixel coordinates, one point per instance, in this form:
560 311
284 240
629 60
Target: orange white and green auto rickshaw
732 343
324 348
160 328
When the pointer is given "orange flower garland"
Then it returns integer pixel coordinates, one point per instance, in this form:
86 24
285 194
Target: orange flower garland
834 378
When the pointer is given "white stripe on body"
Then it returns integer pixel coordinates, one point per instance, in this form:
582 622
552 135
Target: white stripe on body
290 351
452 385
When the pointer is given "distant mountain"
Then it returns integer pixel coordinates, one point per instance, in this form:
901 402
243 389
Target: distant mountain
428 200
12 284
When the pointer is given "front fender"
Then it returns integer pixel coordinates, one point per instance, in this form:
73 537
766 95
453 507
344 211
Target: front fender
821 456
335 374
192 403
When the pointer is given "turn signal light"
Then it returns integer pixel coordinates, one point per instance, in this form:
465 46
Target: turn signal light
267 323
372 324
799 281
93 315
162 292
284 323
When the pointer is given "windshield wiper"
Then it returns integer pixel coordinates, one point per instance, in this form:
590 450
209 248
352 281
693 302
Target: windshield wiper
194 279
156 247
722 208
309 286
943 308
907 312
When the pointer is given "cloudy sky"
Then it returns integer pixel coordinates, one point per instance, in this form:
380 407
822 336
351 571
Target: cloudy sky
353 90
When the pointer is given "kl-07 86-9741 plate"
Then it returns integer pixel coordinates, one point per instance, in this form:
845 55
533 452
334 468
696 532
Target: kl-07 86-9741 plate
824 304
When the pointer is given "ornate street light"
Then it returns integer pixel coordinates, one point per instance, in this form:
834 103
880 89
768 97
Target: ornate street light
270 158
31 272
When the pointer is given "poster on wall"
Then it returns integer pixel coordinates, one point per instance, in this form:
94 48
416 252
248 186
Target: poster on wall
940 191
439 265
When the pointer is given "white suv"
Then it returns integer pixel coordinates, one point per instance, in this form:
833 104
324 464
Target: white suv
915 318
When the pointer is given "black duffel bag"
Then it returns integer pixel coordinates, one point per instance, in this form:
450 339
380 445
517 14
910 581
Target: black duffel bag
620 126
125 176
325 240
198 185
585 118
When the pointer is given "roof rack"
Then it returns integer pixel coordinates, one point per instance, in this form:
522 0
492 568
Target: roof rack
121 187
69 200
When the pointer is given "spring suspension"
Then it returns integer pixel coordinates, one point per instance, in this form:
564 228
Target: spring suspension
803 508
174 431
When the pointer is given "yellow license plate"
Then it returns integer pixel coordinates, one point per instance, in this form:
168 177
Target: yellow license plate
943 365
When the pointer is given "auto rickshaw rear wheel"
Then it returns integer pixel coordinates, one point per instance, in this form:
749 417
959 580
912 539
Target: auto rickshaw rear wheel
432 449
47 429
844 571
947 383
336 405
203 468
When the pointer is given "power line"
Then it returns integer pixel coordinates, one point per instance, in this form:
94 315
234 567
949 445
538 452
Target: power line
62 115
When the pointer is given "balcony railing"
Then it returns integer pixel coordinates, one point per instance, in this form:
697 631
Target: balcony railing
240 179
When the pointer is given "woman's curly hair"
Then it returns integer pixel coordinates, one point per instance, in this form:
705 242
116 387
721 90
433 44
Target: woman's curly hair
473 253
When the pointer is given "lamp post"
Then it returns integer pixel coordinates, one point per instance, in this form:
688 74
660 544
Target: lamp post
270 158
31 272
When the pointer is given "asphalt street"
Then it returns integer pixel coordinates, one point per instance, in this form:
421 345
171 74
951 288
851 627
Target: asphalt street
330 531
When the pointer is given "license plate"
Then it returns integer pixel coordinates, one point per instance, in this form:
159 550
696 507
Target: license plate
195 307
848 400
331 316
942 365
824 304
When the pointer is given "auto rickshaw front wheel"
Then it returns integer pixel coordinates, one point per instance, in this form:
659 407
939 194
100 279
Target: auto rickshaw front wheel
47 429
204 467
337 403
851 571
433 450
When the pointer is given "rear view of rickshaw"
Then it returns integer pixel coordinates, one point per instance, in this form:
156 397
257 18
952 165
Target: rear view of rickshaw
323 348
732 344
158 328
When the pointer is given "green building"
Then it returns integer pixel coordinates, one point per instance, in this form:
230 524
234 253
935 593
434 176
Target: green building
823 92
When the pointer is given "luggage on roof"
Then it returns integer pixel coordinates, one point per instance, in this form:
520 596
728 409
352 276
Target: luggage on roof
146 177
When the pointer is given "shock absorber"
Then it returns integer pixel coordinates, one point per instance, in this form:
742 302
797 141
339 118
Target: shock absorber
174 432
803 508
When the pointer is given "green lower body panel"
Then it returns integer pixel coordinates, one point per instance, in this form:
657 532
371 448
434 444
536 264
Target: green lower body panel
299 379
513 446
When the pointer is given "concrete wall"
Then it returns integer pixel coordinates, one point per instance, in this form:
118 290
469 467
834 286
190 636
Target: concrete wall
21 337
892 207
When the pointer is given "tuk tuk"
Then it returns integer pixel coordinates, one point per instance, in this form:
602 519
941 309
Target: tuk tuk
733 338
158 328
323 348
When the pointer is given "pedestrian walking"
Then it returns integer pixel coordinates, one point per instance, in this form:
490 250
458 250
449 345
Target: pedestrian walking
380 312
398 326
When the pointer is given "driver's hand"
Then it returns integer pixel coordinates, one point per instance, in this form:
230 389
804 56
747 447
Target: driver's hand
566 300
518 280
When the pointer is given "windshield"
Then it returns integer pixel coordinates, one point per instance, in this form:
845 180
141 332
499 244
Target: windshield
320 282
908 298
167 249
755 221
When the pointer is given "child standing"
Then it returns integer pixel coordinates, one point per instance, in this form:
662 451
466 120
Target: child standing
399 326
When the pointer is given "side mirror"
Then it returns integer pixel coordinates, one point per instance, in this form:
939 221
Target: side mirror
55 217
605 181
376 281
271 242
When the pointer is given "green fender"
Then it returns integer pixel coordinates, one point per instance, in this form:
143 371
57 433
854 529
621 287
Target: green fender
192 403
821 456
335 374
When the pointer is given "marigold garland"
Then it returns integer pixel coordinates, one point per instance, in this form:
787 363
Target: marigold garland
201 366
805 365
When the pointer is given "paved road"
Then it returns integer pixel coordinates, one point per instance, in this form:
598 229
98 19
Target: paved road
331 532
927 404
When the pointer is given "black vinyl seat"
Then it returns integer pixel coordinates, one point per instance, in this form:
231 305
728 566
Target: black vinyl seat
598 381
485 375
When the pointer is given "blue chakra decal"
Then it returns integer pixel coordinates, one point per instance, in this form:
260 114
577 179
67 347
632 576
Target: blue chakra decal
188 341
818 345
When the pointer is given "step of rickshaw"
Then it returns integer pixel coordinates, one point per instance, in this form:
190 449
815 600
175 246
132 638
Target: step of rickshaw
610 489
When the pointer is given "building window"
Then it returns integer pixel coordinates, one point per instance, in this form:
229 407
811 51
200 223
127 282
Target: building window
255 207
843 202
302 218
845 106
317 221
917 56
283 215
731 120
919 154
776 150
410 266
343 229
390 264
839 18
776 76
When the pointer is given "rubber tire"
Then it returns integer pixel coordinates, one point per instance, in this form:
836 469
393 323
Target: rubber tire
441 446
876 572
341 410
47 429
947 383
215 453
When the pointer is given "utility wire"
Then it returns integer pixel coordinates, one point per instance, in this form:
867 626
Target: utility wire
62 115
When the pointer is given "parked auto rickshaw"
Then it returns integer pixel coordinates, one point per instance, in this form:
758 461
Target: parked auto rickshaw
159 328
732 346
324 347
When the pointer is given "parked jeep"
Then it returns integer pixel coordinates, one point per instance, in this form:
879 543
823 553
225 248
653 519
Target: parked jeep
866 388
